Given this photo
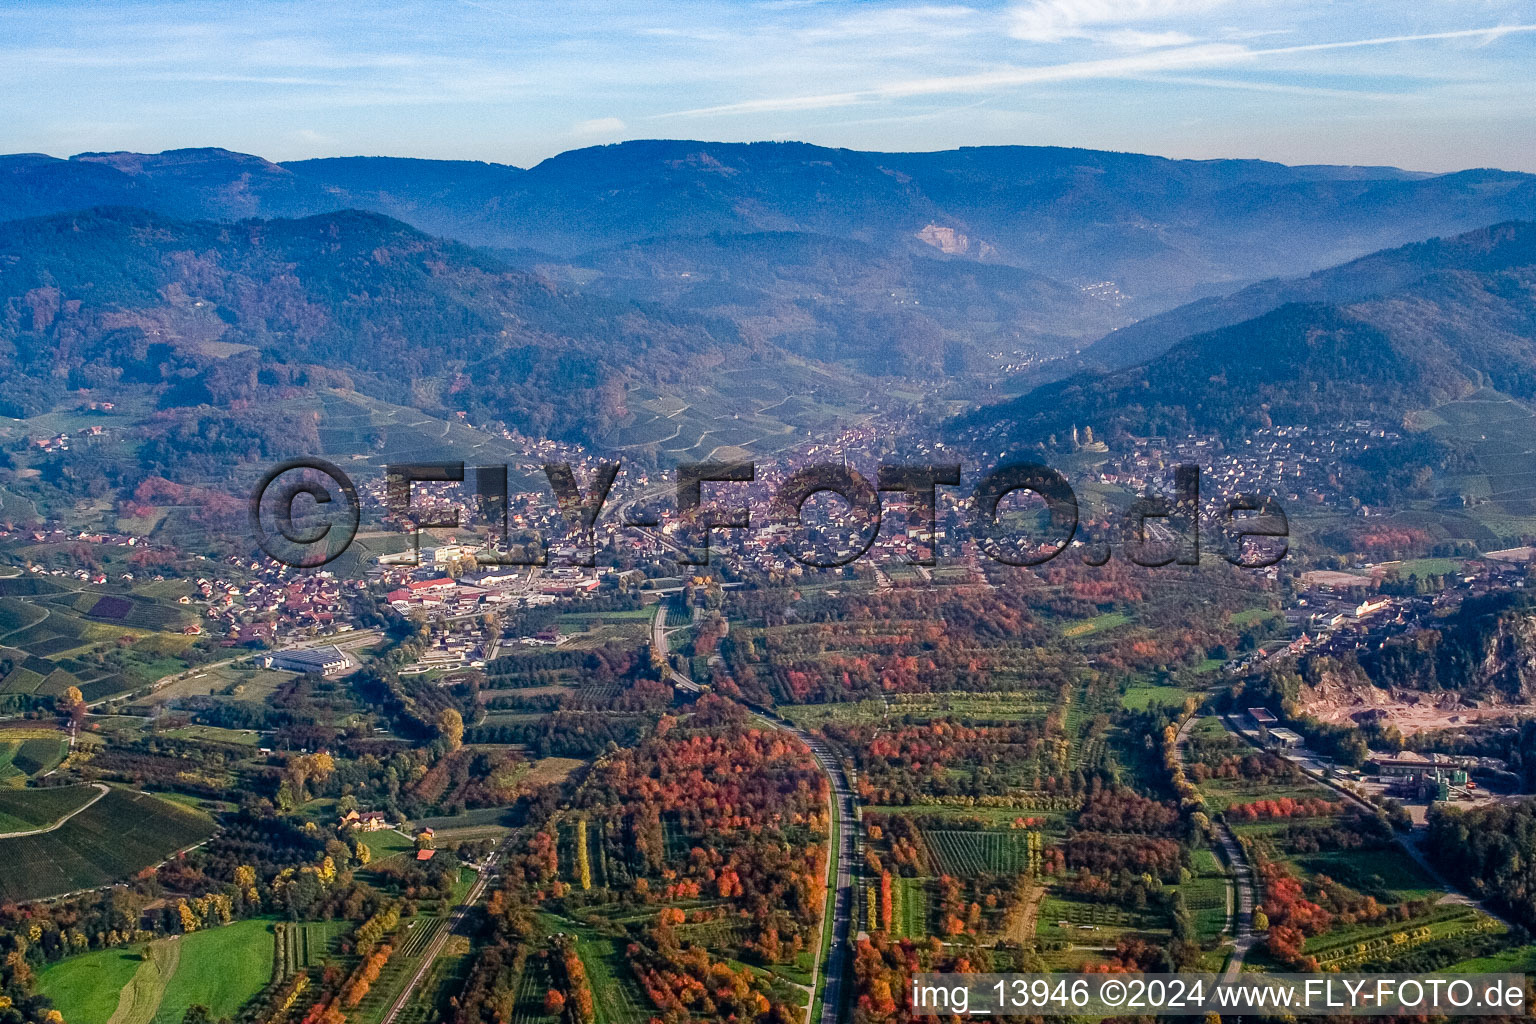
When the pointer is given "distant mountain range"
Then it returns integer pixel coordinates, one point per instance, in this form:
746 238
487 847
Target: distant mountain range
650 266
1136 234
1373 339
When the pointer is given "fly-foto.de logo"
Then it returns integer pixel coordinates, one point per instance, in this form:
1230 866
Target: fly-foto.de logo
305 513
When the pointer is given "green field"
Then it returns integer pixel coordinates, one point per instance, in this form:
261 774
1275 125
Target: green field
120 834
1140 698
1064 917
87 987
39 754
909 898
222 968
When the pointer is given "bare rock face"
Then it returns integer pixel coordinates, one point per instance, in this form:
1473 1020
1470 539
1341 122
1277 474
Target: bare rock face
946 240
1507 660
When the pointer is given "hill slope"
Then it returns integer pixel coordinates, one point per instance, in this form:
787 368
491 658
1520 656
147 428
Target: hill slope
1356 281
1464 317
210 314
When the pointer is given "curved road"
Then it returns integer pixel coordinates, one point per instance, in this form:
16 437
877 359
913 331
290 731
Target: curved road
101 792
840 858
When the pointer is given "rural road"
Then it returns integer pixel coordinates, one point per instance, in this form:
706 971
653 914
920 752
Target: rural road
435 947
101 791
1239 878
840 856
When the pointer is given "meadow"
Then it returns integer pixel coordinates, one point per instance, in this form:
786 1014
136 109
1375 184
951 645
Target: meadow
221 968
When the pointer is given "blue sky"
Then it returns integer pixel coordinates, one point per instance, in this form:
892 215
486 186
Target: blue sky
1428 84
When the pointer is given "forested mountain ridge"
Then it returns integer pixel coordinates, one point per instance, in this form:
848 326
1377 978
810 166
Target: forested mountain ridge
1157 230
209 314
1355 281
1459 324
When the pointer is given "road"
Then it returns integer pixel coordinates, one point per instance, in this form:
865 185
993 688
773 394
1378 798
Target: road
435 947
840 872
1240 890
840 858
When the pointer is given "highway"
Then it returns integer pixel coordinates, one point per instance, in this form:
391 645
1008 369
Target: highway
840 859
840 873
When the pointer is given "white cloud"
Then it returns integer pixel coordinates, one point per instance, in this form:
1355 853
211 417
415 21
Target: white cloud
1136 39
1052 21
1136 65
598 126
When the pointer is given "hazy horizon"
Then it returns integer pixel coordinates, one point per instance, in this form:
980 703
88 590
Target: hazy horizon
1429 87
749 142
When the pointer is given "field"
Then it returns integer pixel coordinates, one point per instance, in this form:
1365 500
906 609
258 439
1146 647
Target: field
968 853
87 987
28 751
221 968
304 944
909 906
121 833
24 809
1081 922
1139 698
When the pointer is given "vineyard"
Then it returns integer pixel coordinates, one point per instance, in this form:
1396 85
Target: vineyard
969 853
119 834
297 947
1063 918
529 1008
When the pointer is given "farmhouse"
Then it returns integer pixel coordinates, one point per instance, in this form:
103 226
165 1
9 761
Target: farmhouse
371 821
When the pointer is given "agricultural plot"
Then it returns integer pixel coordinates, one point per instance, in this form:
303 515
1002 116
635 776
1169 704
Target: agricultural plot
1389 874
28 752
616 995
1345 948
909 907
529 1008
1206 898
1065 918
87 987
583 858
1139 698
410 943
23 809
969 853
301 945
119 834
222 968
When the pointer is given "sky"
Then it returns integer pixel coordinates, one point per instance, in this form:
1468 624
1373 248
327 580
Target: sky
1432 85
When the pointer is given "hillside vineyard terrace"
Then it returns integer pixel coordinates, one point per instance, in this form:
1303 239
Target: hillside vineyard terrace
1240 518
